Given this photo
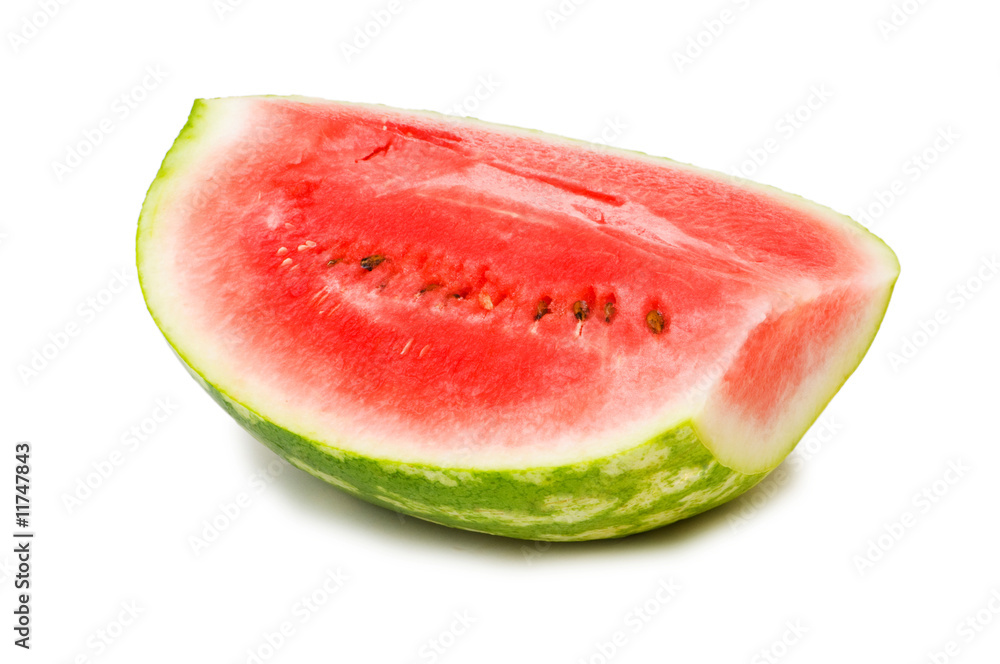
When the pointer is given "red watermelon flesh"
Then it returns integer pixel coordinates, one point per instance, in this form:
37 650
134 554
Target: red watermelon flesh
412 287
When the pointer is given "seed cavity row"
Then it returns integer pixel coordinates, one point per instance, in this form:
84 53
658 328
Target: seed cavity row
656 321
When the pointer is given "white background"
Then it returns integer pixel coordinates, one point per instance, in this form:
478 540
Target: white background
799 550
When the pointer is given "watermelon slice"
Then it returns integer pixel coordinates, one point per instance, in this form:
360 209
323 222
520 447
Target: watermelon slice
497 329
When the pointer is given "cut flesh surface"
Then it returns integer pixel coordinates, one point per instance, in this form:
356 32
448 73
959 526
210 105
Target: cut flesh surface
455 296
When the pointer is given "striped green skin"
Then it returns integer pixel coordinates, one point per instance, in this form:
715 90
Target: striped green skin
671 477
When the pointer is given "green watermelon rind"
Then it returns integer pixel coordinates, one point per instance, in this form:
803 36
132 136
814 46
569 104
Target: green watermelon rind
669 477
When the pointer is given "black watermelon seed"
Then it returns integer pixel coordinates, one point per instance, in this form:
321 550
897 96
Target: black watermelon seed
581 310
542 308
655 321
428 289
371 262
